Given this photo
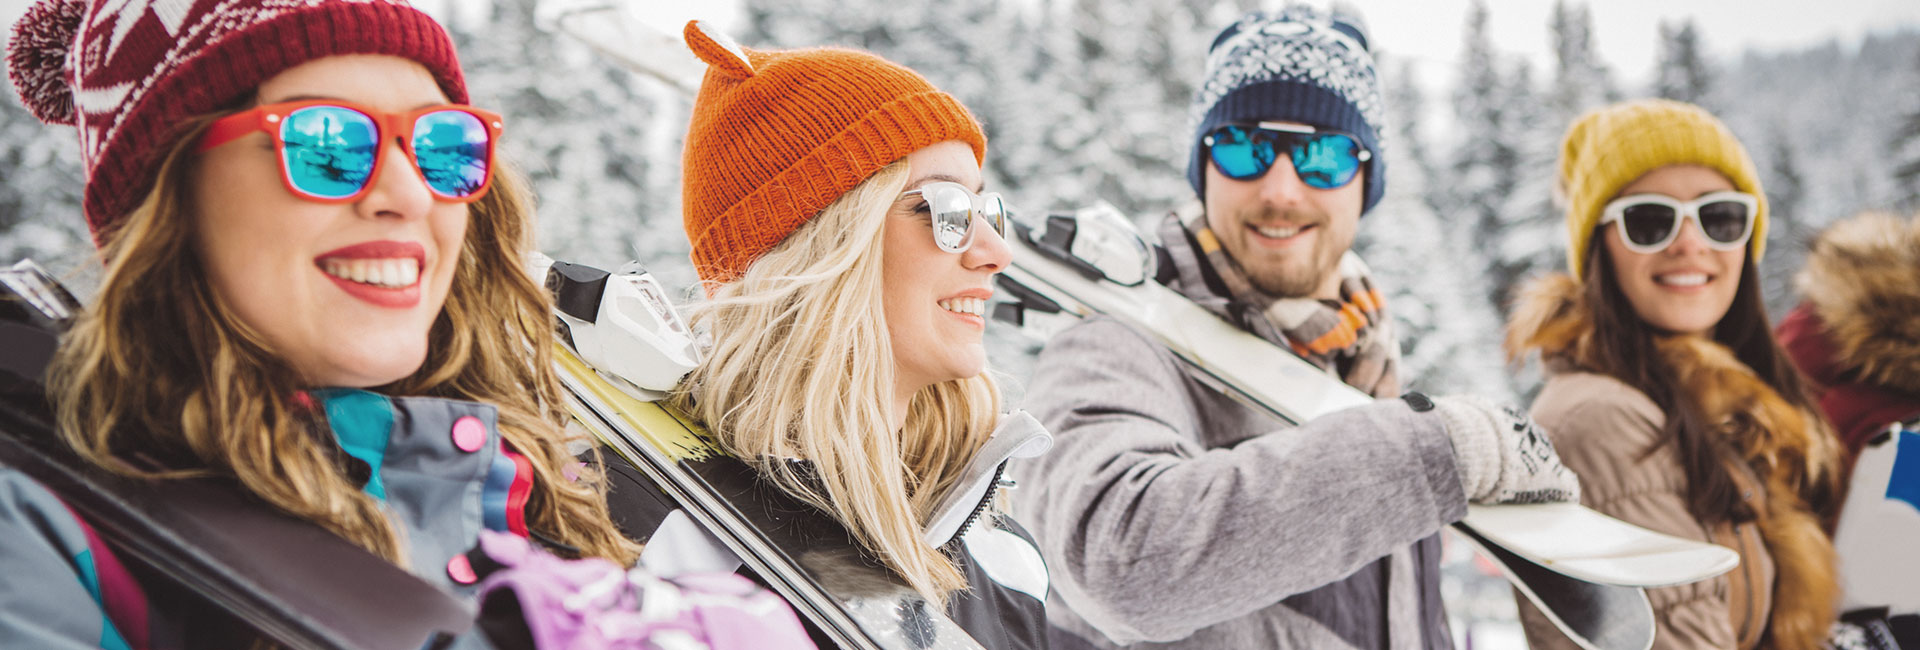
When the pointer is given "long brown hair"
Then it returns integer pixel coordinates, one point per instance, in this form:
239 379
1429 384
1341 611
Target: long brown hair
158 379
1626 347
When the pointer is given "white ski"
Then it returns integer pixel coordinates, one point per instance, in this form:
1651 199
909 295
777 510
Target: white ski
1584 544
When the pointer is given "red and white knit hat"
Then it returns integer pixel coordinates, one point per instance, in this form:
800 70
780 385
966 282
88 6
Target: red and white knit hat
125 72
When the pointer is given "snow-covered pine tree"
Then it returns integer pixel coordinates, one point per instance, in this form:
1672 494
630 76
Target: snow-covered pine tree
1788 230
1581 81
1683 72
40 185
1533 239
1407 110
1128 71
1906 145
1496 164
1449 335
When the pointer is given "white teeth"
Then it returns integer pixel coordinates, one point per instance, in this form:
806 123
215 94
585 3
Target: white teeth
973 306
1279 233
1682 279
388 273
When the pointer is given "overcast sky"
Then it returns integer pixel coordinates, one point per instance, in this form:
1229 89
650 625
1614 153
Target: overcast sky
1428 31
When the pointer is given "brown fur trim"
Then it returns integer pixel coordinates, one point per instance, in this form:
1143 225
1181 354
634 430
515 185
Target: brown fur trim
1550 316
1863 278
1781 442
1792 451
1798 457
1806 590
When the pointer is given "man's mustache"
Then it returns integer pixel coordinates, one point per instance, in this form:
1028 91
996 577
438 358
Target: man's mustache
1268 215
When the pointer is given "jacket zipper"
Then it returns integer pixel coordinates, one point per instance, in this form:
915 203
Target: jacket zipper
1744 631
985 499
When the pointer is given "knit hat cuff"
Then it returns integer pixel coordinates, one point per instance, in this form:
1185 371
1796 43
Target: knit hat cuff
1290 101
733 240
223 72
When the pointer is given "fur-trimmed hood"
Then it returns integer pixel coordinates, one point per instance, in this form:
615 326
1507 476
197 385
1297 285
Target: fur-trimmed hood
1791 450
1863 280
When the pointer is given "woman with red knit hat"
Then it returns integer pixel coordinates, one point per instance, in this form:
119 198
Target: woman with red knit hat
312 291
835 206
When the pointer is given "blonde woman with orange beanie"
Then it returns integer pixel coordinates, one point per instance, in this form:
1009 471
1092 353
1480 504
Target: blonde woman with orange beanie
835 207
1666 392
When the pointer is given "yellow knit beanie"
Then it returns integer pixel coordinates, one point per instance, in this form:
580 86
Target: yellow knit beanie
1611 147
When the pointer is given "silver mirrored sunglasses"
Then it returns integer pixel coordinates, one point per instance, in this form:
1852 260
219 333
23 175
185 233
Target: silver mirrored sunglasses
953 208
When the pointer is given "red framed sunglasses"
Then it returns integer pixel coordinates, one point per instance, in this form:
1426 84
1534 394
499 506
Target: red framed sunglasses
331 150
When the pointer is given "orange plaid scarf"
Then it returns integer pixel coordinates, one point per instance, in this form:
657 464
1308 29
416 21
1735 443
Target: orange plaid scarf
1352 336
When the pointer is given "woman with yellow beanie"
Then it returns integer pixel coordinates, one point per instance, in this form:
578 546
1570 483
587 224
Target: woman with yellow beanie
834 204
1666 392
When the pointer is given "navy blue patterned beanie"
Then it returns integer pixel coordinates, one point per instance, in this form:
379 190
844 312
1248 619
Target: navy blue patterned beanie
1298 65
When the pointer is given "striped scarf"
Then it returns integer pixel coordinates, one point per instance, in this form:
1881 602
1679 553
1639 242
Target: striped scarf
1351 337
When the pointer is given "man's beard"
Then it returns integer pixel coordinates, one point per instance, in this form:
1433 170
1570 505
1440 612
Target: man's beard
1301 273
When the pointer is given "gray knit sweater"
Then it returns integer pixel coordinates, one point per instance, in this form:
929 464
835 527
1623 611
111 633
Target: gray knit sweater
1171 516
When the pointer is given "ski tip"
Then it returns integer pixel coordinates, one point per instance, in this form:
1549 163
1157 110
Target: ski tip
717 49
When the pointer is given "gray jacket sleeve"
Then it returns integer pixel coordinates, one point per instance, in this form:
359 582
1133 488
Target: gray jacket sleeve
1154 533
44 602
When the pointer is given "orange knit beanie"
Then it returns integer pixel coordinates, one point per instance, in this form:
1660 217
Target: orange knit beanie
779 135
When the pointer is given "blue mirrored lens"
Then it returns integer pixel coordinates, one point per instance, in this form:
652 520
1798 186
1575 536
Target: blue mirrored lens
452 150
1325 161
329 150
1239 155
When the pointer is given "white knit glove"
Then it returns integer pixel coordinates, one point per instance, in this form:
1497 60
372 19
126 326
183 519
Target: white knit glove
1502 456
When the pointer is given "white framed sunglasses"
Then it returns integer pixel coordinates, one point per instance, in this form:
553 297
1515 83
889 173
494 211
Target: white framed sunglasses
1650 222
953 208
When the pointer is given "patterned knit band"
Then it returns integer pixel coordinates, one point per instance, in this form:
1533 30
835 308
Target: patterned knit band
777 136
1609 148
126 72
1299 65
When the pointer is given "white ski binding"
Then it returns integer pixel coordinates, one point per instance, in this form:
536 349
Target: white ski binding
621 324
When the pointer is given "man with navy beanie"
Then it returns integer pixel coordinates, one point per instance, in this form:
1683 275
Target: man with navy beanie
1171 516
1298 65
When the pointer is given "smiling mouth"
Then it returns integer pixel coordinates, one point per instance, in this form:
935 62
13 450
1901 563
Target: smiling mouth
1683 280
385 273
968 306
1279 232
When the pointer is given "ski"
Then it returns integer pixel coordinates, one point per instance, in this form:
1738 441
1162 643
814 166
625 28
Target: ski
624 321
1094 262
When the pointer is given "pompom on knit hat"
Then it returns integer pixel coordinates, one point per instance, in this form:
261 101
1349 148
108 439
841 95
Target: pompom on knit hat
1611 147
1298 65
779 135
127 72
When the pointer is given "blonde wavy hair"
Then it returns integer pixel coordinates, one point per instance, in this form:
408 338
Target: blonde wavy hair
159 369
801 368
